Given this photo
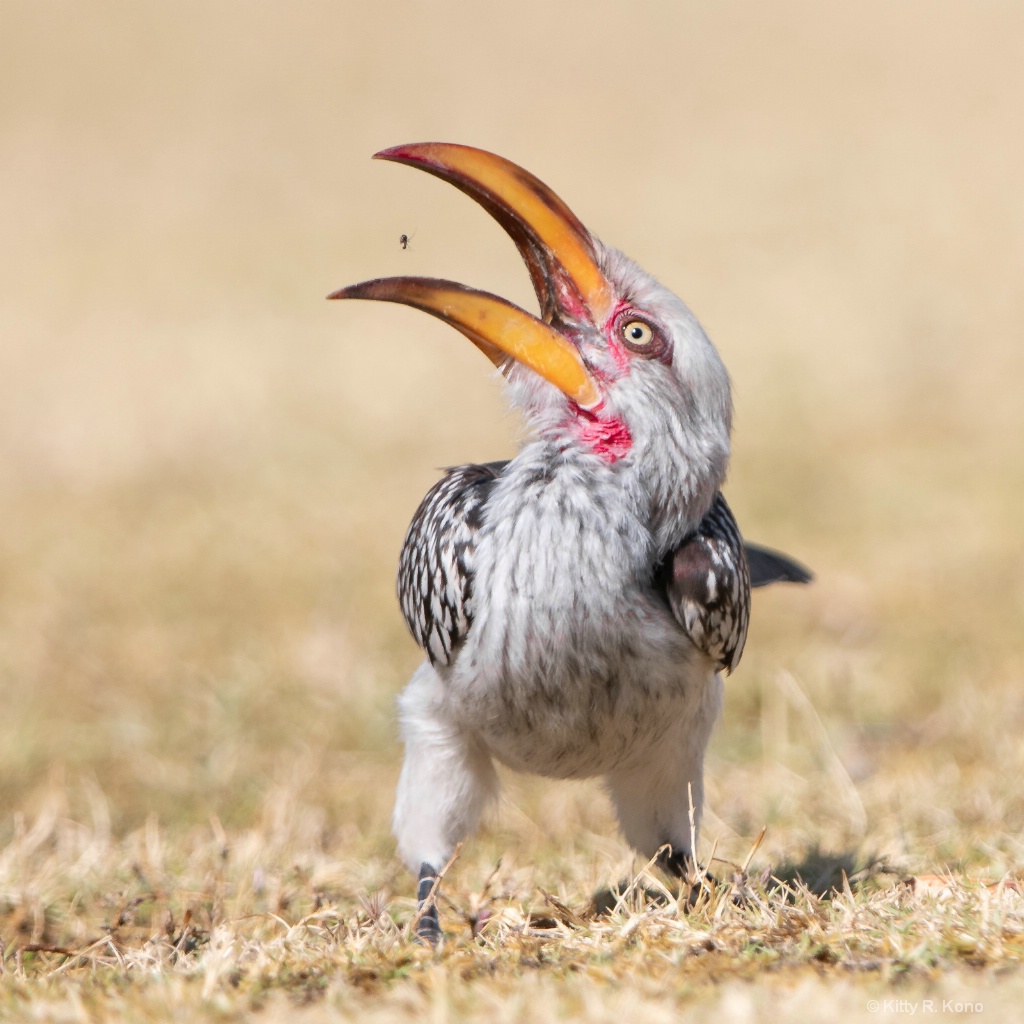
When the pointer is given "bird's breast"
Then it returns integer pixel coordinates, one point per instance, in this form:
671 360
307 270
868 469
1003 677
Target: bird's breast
573 664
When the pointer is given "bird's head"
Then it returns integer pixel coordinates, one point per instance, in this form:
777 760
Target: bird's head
616 367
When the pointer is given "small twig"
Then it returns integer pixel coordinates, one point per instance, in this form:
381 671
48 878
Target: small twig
430 901
118 956
700 871
754 849
693 822
75 956
568 915
621 898
489 881
36 947
186 921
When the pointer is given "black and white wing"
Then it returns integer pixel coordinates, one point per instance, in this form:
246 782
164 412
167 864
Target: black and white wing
435 570
706 581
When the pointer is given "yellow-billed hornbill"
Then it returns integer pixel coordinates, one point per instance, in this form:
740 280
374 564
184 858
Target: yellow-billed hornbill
576 603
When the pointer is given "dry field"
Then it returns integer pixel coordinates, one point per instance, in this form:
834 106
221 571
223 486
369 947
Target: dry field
206 471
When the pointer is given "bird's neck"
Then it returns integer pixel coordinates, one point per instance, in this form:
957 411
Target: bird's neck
565 510
608 439
668 479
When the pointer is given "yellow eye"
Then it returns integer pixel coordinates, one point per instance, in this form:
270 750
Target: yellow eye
641 336
636 334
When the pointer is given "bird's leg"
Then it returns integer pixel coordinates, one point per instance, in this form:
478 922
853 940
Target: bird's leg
447 779
659 799
428 928
659 812
677 863
683 865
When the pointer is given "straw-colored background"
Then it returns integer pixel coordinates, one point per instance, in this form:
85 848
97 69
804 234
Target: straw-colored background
206 469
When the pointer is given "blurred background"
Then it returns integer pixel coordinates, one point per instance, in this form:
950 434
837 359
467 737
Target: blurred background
206 470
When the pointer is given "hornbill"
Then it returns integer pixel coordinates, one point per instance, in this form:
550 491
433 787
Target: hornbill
577 603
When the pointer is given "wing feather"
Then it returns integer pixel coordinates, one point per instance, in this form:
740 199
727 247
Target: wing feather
435 570
706 582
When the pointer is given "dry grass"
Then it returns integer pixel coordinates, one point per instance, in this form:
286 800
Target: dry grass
272 919
205 472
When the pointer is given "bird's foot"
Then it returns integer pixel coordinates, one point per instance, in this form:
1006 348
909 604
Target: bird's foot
428 928
681 864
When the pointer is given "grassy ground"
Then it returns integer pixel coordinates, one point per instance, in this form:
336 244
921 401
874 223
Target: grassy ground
206 470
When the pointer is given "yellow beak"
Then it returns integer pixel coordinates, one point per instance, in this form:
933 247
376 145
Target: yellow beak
497 327
557 248
559 253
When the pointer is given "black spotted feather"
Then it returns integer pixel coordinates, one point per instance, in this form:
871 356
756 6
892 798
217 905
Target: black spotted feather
706 581
435 570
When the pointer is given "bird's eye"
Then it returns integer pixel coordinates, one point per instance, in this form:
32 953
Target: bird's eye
641 336
637 335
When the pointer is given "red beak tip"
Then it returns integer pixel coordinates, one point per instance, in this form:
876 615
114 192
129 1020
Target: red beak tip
405 153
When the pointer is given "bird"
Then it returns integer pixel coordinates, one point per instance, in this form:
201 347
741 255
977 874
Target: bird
577 604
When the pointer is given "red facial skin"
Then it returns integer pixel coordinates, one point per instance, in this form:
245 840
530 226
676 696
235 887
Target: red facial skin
610 439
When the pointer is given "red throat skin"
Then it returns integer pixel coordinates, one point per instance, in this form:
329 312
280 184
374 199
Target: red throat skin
610 440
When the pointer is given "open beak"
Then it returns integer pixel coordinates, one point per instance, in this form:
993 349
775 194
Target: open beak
558 251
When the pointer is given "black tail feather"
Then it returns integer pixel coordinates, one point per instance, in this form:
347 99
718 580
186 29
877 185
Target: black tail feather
767 566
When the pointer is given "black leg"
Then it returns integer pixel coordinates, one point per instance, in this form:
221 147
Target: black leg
679 864
428 929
